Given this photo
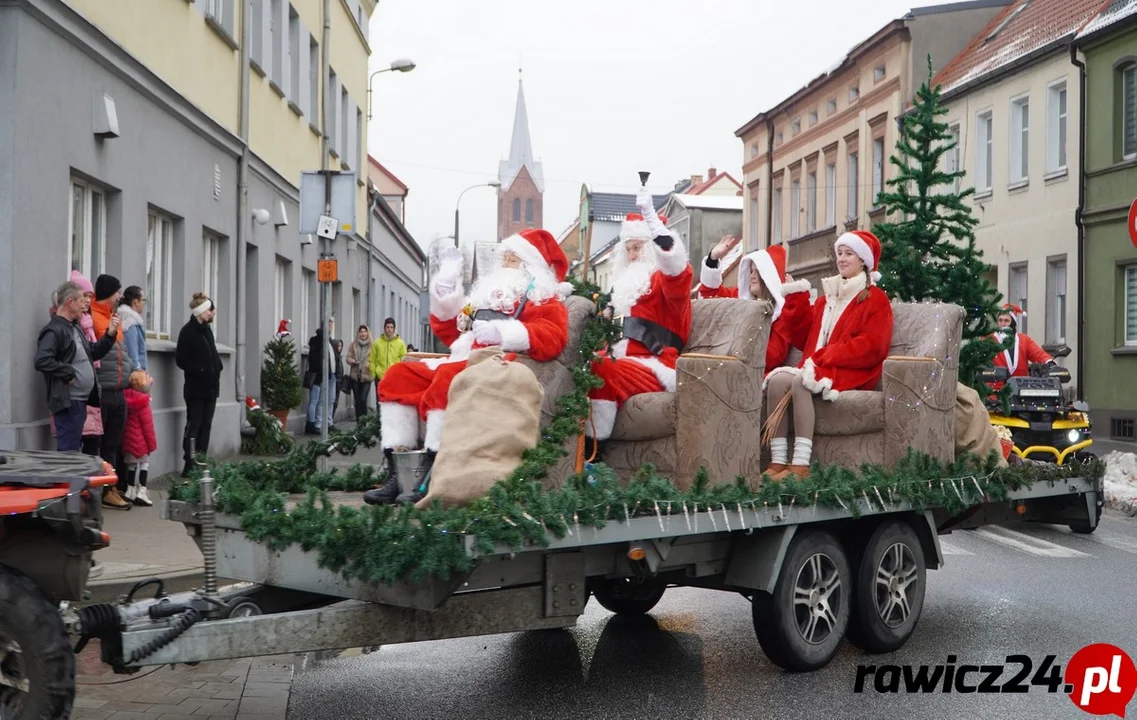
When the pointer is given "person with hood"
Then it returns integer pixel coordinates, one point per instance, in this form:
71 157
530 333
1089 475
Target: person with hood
130 308
114 377
359 369
197 357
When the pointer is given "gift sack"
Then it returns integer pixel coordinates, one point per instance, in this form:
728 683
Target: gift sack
973 431
493 415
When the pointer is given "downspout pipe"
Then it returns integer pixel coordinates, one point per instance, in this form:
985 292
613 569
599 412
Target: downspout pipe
244 224
1079 223
373 193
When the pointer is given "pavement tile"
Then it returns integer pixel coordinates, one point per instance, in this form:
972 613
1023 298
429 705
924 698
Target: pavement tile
175 716
89 703
225 708
263 689
91 714
277 705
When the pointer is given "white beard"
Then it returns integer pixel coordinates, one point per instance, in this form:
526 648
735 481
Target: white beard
505 288
630 284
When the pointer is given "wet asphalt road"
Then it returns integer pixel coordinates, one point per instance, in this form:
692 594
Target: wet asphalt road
1035 590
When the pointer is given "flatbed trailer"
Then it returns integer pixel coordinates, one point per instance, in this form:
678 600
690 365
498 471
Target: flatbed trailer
815 576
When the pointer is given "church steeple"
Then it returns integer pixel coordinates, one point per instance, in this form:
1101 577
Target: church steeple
521 195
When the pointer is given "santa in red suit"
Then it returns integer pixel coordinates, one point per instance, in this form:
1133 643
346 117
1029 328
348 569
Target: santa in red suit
1024 350
519 308
651 289
763 273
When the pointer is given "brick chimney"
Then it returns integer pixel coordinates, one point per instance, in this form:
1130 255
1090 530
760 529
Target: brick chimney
696 180
712 174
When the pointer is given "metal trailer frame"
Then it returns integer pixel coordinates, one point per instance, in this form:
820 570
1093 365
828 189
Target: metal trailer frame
285 603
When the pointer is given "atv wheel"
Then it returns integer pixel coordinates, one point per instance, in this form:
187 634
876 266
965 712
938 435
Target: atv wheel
37 665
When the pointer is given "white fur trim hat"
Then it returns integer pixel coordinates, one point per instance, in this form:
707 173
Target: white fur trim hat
866 246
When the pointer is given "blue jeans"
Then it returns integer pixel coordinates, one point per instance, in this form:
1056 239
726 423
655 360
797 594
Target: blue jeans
316 405
69 426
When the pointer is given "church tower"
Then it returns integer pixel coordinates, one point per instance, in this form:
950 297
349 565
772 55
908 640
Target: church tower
520 198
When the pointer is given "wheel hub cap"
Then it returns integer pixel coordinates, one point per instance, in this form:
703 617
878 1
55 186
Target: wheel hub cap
817 598
896 575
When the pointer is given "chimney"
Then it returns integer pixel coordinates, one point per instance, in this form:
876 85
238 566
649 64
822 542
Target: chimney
712 174
696 180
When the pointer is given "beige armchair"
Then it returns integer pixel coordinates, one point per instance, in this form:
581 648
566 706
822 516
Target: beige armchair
713 419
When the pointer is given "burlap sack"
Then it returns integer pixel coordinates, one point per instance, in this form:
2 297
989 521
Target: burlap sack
973 431
493 415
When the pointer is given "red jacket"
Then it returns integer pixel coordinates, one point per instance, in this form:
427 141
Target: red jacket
790 330
1019 357
138 438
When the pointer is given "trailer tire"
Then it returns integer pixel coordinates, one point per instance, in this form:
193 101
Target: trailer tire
37 663
813 589
888 591
629 596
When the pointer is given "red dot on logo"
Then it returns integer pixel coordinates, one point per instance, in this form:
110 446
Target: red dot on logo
1104 679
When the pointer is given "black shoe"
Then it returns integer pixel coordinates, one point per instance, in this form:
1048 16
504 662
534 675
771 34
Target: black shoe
187 469
390 489
311 429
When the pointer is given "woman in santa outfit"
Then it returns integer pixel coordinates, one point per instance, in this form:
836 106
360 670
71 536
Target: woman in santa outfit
848 341
1023 351
765 272
651 289
518 308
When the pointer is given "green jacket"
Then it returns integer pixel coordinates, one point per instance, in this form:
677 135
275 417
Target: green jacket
384 354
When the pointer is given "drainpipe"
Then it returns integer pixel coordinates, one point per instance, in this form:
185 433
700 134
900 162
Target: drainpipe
1078 222
769 185
374 195
243 218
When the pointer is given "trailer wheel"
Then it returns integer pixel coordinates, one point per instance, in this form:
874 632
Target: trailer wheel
888 593
800 625
37 665
629 596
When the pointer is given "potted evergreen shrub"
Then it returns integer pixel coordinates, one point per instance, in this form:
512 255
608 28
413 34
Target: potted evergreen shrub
280 379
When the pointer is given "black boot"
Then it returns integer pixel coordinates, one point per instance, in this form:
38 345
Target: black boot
386 493
413 496
187 468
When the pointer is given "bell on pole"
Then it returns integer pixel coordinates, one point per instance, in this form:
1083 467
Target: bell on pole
644 175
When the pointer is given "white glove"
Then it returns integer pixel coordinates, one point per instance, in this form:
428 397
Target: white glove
486 333
644 202
450 263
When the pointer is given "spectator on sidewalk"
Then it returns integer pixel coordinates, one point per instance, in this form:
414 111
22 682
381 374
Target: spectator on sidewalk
131 307
321 380
139 440
359 369
67 361
197 357
93 425
337 352
114 377
387 350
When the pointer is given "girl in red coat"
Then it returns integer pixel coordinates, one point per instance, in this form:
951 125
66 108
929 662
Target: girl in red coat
139 438
765 272
848 341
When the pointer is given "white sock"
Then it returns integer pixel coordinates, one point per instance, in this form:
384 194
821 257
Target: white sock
779 451
803 448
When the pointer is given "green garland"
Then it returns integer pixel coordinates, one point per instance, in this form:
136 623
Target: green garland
387 543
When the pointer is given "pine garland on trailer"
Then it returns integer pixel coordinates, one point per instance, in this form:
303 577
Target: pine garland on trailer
388 543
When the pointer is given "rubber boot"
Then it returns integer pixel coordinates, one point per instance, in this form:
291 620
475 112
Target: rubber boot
412 497
385 493
132 485
142 495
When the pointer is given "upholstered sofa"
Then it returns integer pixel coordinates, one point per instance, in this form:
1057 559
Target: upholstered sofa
914 404
713 419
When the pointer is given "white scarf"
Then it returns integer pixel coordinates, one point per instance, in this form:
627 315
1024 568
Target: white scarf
839 292
1012 360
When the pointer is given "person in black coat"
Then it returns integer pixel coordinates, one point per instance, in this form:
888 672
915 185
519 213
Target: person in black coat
197 357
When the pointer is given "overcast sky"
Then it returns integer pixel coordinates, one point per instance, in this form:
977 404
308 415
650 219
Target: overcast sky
612 87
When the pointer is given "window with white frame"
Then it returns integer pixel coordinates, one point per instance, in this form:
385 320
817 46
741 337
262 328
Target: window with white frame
332 98
830 194
1017 291
221 11
854 180
1020 140
777 231
812 118
1056 302
212 247
345 124
1131 305
795 208
983 151
854 93
278 48
313 78
877 169
1129 111
257 46
159 273
294 81
878 73
1056 127
953 157
279 290
831 106
307 287
87 229
795 126
811 202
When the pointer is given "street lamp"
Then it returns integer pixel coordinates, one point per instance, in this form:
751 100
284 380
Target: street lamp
400 65
494 184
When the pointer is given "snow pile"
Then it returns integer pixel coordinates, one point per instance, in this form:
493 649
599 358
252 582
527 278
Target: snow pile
1121 482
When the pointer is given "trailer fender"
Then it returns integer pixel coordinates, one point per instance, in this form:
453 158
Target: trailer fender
930 540
756 559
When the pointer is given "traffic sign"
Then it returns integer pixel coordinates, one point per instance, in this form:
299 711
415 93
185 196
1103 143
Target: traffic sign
1133 223
327 227
327 271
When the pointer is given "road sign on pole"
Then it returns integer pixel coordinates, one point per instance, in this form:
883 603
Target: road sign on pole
316 199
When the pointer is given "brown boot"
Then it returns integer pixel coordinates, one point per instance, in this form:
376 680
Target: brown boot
799 471
774 469
112 498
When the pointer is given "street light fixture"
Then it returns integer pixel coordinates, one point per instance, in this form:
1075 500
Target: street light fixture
400 65
494 184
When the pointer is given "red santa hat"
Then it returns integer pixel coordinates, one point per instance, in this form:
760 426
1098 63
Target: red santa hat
282 329
538 249
1014 312
771 266
867 248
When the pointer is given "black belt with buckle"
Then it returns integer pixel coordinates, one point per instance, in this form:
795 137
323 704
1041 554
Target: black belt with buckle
492 315
653 336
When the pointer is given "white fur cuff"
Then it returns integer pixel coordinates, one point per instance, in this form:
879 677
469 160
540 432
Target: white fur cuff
795 287
446 306
822 386
603 419
710 277
400 425
514 335
434 420
673 261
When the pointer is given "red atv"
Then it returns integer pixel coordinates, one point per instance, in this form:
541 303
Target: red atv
50 523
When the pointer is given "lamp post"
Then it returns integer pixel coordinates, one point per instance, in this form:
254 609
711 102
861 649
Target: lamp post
400 65
494 184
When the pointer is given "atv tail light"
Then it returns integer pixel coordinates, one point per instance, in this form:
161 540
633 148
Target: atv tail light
636 554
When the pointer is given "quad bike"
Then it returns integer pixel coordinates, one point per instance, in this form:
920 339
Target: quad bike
50 523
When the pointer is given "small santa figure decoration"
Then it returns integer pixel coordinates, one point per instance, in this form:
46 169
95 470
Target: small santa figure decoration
518 307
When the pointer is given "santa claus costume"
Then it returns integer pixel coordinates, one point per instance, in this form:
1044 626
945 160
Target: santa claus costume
653 294
519 309
848 341
789 326
1024 350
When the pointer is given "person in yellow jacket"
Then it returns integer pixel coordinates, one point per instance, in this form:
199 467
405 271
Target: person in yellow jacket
387 350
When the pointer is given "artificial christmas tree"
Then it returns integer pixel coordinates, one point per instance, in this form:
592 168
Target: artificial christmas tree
280 380
930 254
